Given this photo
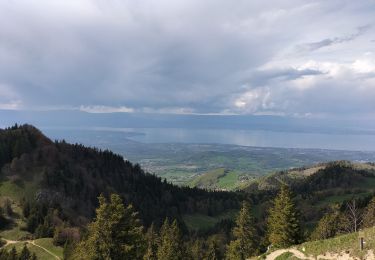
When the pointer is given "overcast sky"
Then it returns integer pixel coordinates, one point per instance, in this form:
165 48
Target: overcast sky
298 58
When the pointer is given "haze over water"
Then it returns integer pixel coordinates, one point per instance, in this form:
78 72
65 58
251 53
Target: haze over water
261 138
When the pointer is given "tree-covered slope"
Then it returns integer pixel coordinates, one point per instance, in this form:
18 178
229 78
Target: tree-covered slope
70 177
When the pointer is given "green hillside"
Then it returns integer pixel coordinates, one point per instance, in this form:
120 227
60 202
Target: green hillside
348 243
52 190
218 179
317 188
344 246
49 192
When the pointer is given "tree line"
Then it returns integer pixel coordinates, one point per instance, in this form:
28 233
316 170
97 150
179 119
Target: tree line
117 233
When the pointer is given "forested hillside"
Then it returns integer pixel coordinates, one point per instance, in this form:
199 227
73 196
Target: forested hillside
54 194
71 177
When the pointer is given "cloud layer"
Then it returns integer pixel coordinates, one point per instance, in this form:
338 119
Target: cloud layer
287 57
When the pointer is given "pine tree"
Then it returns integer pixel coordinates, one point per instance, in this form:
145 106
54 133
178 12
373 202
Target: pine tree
13 254
283 221
243 245
170 247
369 214
33 257
213 252
25 253
328 226
116 233
196 248
152 244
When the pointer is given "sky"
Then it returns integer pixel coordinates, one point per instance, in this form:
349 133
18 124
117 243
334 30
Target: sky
214 57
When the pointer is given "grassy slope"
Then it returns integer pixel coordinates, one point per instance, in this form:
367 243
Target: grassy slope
217 179
14 192
47 243
14 230
339 244
201 222
222 179
286 256
39 252
208 179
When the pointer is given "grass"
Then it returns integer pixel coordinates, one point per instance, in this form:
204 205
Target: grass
229 181
344 243
17 190
39 252
14 230
286 256
208 179
202 222
14 234
47 243
11 190
340 198
219 178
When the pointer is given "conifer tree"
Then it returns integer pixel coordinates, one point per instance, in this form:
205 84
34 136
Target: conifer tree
13 254
369 214
170 247
25 253
152 244
213 252
328 226
116 233
243 245
196 248
283 221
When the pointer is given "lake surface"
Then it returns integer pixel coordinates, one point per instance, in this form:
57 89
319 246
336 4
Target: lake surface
354 142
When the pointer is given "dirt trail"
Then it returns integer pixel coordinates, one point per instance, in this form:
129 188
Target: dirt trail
9 242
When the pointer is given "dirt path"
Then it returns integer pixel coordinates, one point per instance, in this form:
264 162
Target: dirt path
295 252
9 242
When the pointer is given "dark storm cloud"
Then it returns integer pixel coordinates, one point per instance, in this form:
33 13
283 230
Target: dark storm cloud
286 74
180 56
336 40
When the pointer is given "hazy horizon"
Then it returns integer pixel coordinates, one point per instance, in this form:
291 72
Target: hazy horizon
285 66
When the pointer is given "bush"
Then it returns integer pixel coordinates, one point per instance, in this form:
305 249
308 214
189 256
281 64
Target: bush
2 242
62 235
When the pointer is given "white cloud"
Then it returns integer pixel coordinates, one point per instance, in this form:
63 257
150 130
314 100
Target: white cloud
9 99
106 109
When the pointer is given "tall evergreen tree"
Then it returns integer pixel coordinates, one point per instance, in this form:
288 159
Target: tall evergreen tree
369 214
196 248
283 221
152 240
116 233
213 252
25 253
171 244
244 233
13 254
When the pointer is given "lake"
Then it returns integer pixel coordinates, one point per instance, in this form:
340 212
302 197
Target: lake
354 142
